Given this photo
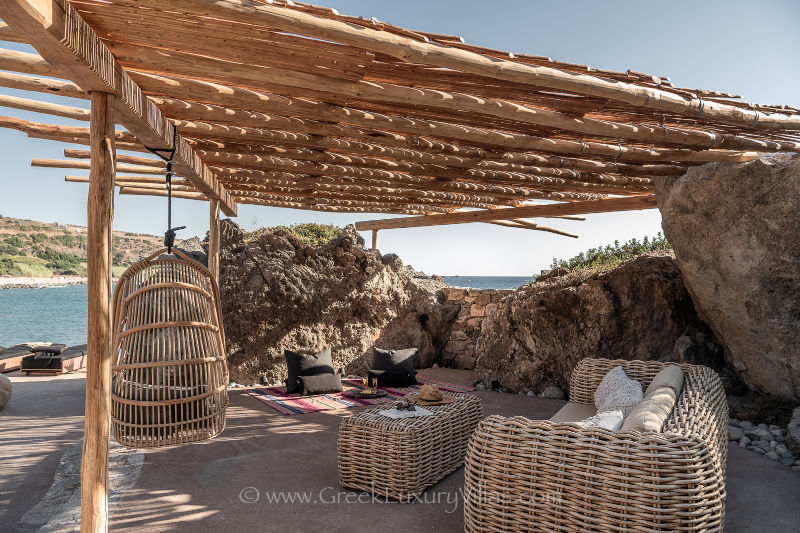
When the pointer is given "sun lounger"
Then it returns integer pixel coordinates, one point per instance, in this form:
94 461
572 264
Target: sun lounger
51 363
11 358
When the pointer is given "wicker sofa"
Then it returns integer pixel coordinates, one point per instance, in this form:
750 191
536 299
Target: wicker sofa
539 475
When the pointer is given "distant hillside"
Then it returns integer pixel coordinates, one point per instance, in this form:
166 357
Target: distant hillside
42 250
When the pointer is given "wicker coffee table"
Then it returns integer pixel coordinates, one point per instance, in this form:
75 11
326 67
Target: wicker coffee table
399 459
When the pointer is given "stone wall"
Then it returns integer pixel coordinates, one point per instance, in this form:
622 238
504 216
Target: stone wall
474 305
640 309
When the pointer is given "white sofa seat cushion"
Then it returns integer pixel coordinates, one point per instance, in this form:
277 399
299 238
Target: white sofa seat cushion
574 412
605 419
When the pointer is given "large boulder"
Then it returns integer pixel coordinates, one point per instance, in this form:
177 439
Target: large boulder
735 230
278 293
5 390
638 310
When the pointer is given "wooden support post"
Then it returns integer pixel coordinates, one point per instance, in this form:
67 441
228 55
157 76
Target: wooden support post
213 239
374 239
94 464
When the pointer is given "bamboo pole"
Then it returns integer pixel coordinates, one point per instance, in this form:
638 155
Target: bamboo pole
420 51
260 101
213 239
517 224
69 45
94 463
176 87
36 106
173 63
572 208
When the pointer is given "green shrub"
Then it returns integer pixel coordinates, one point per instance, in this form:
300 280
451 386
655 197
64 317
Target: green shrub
20 265
15 241
314 234
67 240
612 255
9 268
61 262
38 237
310 233
8 249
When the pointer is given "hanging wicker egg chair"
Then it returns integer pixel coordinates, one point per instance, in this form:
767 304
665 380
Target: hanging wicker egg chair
169 380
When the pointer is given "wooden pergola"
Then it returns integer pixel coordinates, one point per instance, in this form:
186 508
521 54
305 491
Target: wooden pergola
284 104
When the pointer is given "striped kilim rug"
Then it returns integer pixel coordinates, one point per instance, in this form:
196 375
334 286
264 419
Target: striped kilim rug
293 404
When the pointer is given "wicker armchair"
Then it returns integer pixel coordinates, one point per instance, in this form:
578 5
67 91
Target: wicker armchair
536 475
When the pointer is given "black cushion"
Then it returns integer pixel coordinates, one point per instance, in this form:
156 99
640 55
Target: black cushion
41 362
320 383
394 359
73 351
299 364
393 378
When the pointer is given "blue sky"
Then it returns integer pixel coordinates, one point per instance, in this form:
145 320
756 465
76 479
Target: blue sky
749 48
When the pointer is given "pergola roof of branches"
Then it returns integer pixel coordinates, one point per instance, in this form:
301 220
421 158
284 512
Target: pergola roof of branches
294 105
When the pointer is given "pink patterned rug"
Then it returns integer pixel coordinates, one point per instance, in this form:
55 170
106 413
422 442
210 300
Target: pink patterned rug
294 404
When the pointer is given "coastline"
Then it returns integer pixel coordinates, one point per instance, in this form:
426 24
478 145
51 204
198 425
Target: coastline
40 283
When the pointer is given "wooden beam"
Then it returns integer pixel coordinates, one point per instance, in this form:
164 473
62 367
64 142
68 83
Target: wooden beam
142 191
464 217
374 239
36 106
529 225
214 93
94 463
71 47
213 239
121 167
260 101
419 51
41 85
184 64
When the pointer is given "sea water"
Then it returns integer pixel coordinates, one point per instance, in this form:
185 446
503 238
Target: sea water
58 314
488 282
55 314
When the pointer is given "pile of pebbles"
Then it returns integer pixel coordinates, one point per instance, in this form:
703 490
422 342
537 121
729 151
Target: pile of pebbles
769 441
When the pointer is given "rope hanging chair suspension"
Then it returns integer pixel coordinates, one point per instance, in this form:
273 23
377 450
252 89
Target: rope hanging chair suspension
169 380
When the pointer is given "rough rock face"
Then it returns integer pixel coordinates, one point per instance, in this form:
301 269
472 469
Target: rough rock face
639 310
735 230
5 390
279 293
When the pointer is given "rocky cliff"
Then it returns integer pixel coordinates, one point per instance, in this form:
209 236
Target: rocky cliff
278 292
735 230
639 310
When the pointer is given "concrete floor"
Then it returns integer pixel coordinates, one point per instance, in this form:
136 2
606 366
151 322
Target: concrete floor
210 487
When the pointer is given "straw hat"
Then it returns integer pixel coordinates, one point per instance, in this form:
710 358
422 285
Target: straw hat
430 395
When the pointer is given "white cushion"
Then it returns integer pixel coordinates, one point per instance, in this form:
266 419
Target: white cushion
671 376
651 414
617 392
573 412
606 419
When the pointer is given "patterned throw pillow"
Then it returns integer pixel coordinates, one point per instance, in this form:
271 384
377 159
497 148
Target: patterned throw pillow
607 419
617 391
